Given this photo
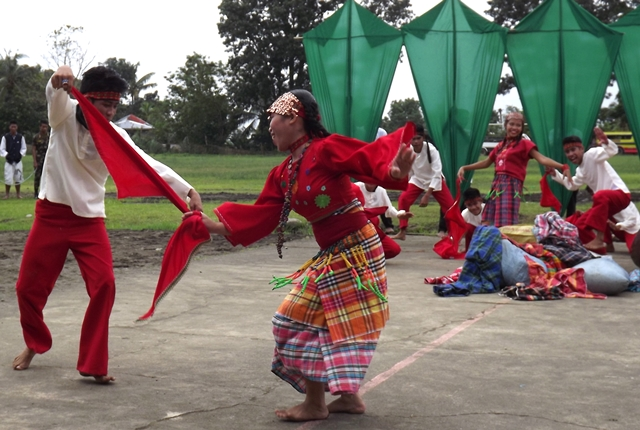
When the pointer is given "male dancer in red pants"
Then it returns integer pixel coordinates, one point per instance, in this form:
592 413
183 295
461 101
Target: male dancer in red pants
611 197
70 216
425 177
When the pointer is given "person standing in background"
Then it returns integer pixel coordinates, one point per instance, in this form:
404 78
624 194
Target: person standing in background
39 148
13 147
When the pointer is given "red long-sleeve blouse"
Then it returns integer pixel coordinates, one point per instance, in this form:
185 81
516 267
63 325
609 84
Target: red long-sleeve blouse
322 186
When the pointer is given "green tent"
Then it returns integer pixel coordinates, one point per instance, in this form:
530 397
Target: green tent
352 57
562 58
456 58
627 69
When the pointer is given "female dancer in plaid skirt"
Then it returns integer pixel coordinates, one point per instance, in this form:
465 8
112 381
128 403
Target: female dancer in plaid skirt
328 326
511 157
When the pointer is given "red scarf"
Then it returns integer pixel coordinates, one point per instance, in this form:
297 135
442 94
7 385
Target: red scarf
548 199
135 178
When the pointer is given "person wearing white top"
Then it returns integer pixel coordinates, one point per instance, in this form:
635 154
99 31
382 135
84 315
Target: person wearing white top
70 216
626 224
472 213
13 147
611 197
377 197
425 177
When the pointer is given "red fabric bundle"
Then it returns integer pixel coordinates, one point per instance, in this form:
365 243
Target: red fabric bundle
548 199
135 178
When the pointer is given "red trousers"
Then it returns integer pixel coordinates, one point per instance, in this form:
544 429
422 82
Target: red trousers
409 196
389 246
606 203
55 231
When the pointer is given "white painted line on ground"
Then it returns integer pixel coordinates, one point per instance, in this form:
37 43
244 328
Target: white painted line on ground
384 376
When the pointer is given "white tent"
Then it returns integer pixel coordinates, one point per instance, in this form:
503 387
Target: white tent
132 122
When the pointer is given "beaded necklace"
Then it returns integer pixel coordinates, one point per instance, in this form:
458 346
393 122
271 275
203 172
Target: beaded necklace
292 173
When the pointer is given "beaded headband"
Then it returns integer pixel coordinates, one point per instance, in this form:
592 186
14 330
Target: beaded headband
287 105
103 95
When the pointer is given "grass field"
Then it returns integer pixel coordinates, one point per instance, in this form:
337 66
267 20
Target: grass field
240 174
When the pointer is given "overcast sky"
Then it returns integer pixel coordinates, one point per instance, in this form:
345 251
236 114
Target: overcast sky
158 35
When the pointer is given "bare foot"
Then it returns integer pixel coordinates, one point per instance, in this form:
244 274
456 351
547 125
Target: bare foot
100 379
595 244
22 361
347 404
303 412
5 197
18 197
402 235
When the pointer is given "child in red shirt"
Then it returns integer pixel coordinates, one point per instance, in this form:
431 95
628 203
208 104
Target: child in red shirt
511 157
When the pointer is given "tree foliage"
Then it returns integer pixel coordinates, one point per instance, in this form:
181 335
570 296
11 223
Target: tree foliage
199 114
400 112
614 116
266 55
129 72
22 97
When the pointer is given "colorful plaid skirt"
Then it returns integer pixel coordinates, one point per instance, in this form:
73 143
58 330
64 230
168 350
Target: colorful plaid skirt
328 326
503 201
303 352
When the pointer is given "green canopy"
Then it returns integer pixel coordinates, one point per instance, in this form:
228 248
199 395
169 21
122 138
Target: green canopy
627 69
562 58
352 57
456 58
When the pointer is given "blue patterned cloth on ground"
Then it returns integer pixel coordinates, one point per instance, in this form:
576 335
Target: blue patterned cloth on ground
481 271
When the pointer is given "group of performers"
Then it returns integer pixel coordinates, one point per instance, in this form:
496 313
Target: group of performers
327 328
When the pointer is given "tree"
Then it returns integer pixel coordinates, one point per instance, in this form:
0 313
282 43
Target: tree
129 72
65 49
265 56
199 113
400 112
613 117
22 95
394 12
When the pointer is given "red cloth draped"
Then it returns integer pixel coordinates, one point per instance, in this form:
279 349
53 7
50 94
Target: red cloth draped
548 199
447 247
135 178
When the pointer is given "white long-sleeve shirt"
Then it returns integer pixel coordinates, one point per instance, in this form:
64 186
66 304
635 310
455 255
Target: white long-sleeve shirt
73 172
424 174
3 147
595 171
378 199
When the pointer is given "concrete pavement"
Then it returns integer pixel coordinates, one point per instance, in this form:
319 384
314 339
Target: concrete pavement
203 361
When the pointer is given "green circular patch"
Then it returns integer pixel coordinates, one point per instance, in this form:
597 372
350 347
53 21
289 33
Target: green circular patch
322 200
